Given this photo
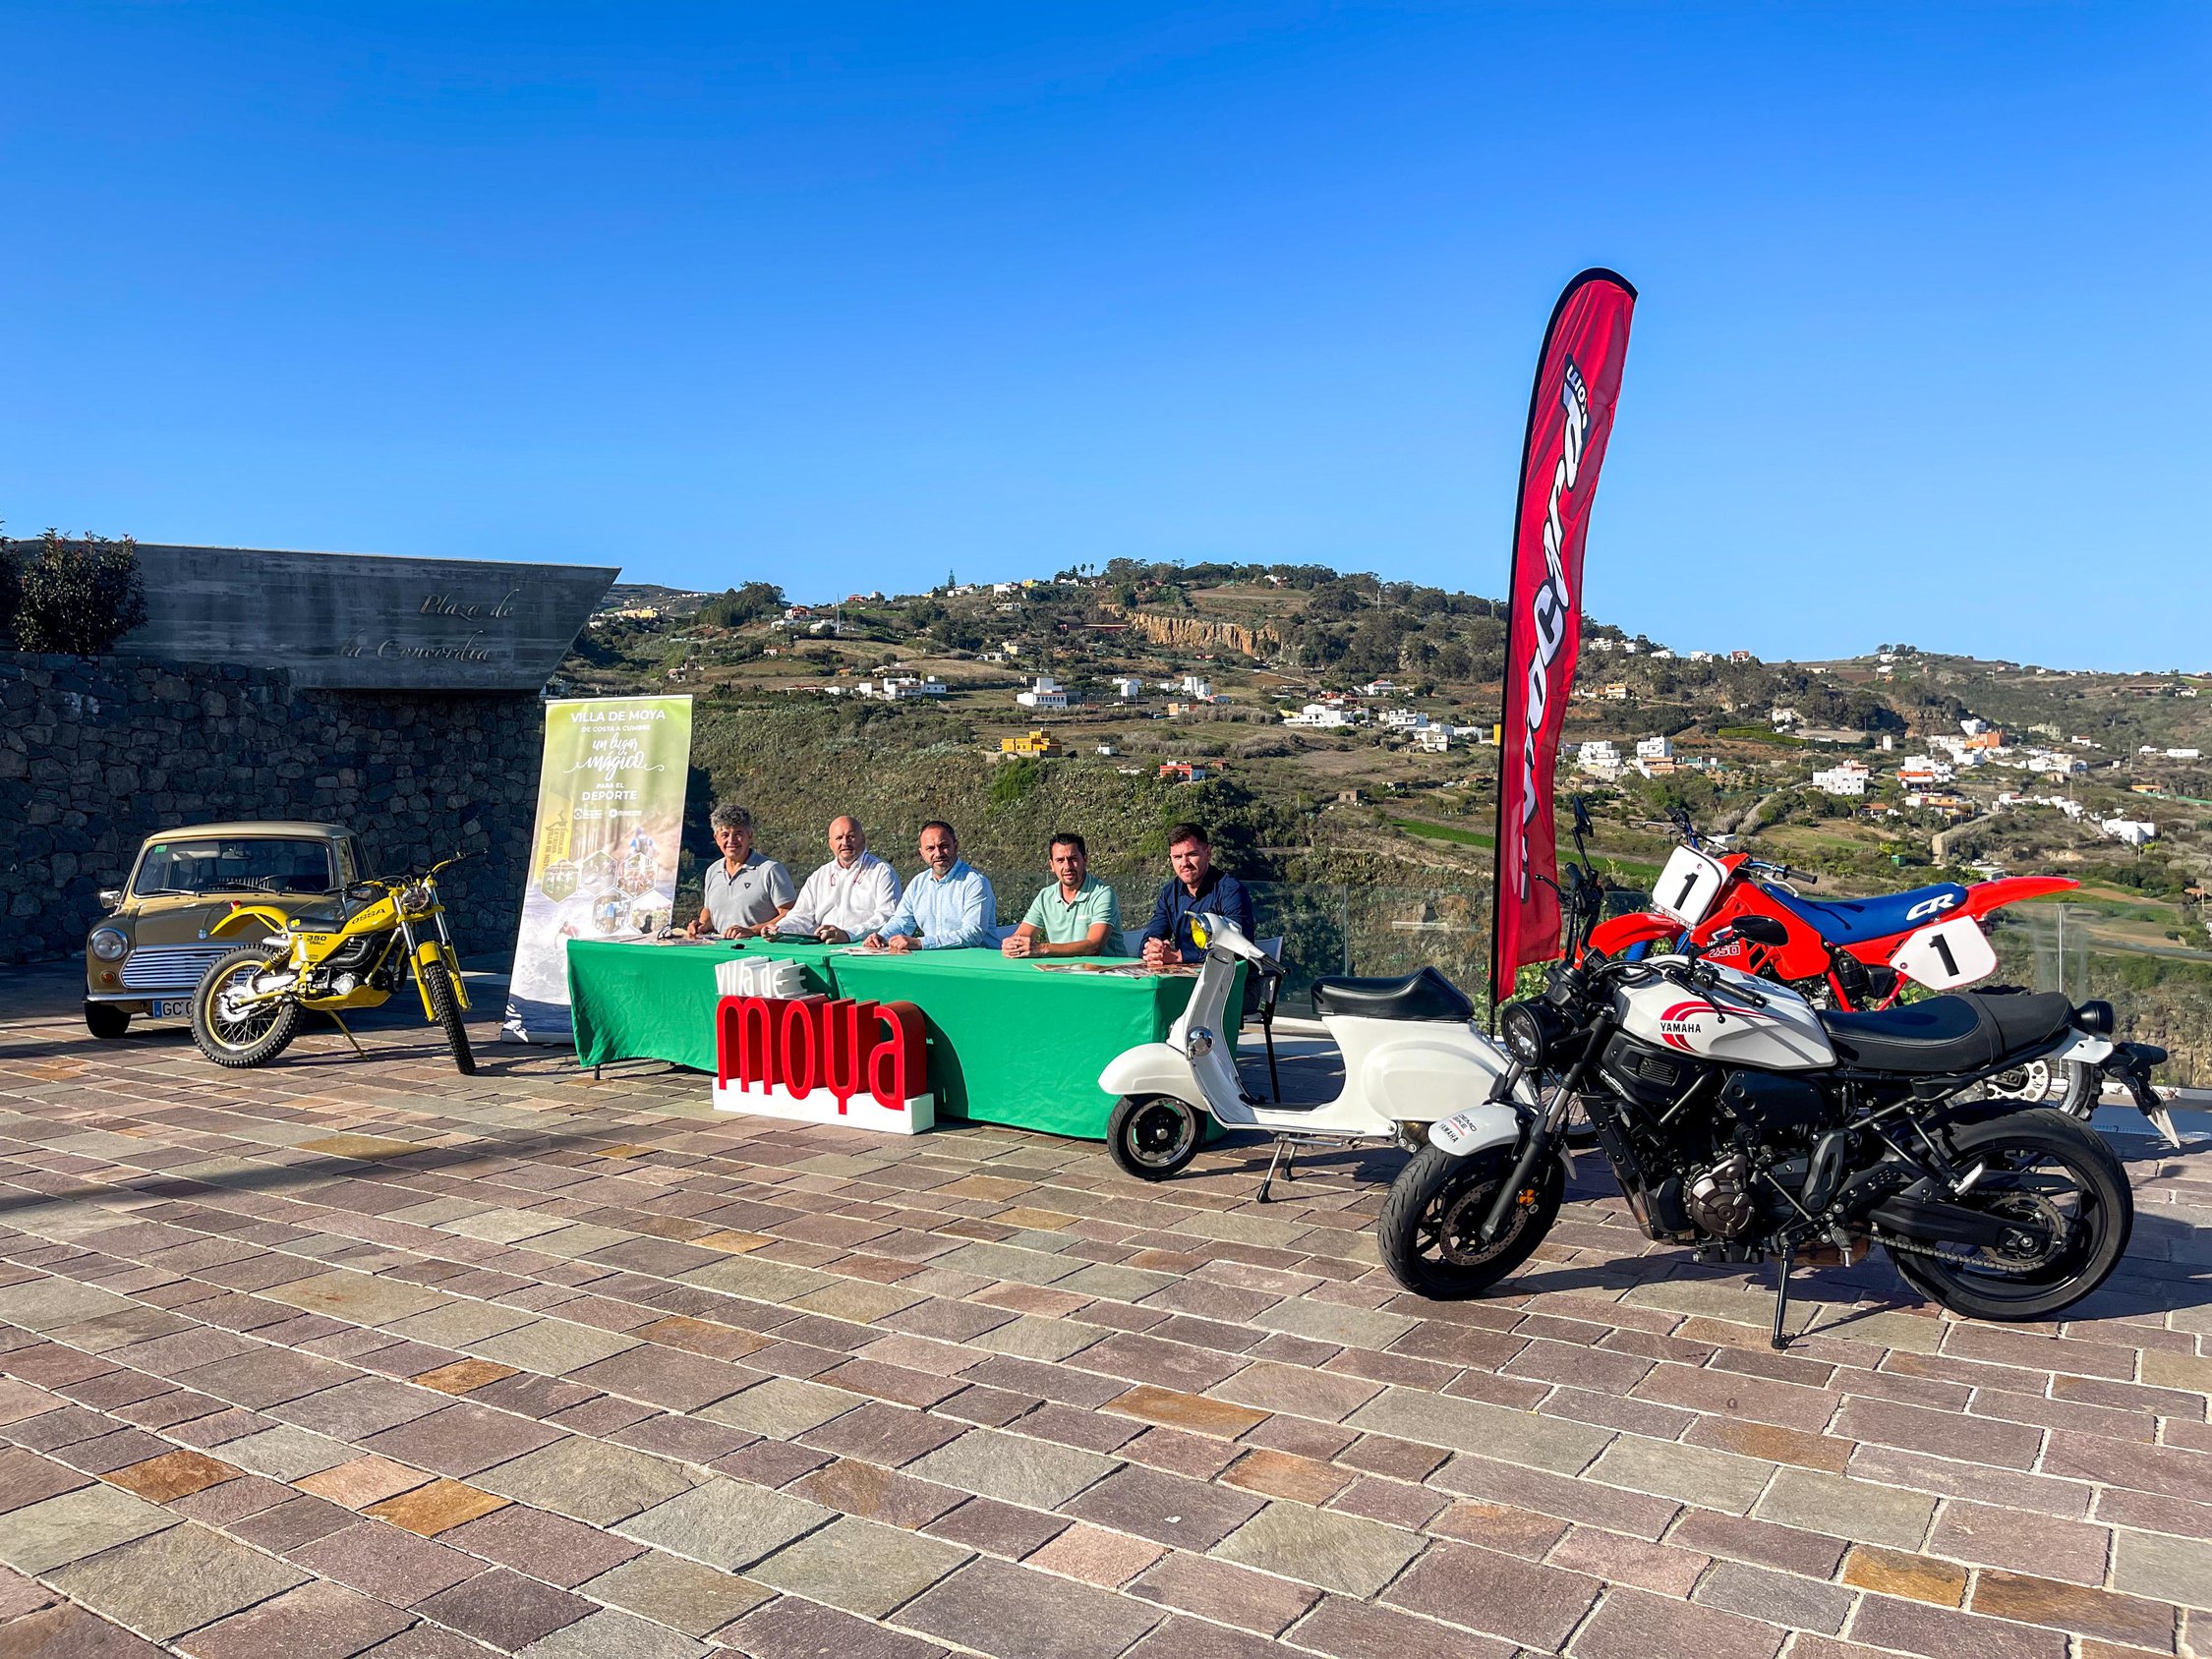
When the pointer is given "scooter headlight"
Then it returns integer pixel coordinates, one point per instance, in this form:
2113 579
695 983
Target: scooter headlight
1523 1032
1198 1044
109 945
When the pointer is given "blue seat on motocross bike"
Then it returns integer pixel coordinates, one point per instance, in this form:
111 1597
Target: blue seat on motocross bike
1852 921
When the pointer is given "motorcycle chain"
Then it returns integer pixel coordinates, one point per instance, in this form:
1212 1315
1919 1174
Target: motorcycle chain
1912 1247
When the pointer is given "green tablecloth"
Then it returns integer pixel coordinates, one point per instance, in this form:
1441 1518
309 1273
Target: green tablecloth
1008 1041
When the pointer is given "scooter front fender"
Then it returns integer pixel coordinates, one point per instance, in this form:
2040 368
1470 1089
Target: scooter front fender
1478 1128
1153 1068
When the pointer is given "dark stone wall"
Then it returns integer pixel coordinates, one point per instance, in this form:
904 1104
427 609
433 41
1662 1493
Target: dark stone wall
96 754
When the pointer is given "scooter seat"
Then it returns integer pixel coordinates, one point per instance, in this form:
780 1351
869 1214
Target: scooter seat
1960 1033
1854 921
1427 995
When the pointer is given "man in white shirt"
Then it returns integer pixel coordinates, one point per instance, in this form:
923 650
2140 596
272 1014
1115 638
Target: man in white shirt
847 899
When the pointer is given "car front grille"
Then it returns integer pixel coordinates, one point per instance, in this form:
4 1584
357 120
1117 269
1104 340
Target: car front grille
171 967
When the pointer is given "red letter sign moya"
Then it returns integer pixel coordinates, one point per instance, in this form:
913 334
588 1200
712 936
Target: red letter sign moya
865 1064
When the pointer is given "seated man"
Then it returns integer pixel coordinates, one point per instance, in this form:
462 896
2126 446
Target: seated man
847 899
1075 917
947 905
742 889
1197 887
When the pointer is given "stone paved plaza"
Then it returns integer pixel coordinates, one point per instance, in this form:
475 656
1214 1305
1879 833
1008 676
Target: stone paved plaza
353 1357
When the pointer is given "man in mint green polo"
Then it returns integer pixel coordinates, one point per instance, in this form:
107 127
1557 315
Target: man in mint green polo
1073 917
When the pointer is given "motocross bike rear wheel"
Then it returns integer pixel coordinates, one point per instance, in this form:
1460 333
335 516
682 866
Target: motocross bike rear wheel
240 1036
2062 1184
445 1008
1429 1223
1152 1136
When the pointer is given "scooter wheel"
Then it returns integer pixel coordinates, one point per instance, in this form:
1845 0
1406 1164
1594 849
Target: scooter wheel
1152 1136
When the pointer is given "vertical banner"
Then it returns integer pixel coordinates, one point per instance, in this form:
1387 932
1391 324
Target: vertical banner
603 859
1570 418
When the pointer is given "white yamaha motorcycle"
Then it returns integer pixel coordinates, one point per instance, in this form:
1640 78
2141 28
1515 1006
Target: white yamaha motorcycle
1411 1052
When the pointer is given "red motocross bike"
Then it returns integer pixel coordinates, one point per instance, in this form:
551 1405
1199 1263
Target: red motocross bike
1854 953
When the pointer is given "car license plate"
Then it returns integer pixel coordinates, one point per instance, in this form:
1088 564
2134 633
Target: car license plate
175 1008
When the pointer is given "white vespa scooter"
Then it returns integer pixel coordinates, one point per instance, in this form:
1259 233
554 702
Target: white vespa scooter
1413 1057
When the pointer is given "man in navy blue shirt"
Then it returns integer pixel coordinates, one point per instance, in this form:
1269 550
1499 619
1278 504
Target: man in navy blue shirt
1197 888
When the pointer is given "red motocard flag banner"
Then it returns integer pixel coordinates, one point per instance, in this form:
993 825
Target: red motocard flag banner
1570 416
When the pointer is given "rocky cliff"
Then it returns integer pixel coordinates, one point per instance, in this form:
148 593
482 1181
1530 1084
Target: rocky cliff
1195 633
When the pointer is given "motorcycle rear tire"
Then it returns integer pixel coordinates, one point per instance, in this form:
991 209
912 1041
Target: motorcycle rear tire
445 1008
1434 1186
2108 1217
272 1039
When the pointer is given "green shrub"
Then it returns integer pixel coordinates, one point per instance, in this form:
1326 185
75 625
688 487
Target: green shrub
78 597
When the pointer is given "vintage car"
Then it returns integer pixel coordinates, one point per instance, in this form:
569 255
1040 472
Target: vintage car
147 957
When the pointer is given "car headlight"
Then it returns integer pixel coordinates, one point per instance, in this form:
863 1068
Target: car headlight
1523 1032
109 945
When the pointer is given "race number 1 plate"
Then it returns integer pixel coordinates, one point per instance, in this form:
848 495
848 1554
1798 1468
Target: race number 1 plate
1688 886
1946 956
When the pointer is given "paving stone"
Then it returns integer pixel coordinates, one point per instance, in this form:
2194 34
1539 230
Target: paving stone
1338 1552
1899 1572
1001 1529
1488 1431
2074 1607
1714 1480
1013 1612
1632 1624
858 1565
285 1453
1192 1411
685 1595
174 1580
1224 1593
506 1609
1497 1594
612 1635
1850 1509
782 1406
791 1629
1760 1592
670 1378
64 1632
1164 1507
171 1475
460 1439
1361 1629
41 1536
554 1347
1012 1468
547 1546
2178 1569
726 1524
364 1406
362 1481
318 1620
26 1479
284 1527
1096 1556
359 1299
385 1563
587 1480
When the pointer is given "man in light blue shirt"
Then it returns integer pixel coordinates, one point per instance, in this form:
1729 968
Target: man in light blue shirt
948 905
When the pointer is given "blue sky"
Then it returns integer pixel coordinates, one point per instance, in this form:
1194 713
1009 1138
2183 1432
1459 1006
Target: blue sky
848 297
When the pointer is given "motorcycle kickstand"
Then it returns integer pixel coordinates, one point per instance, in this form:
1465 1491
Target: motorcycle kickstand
1780 1340
1285 1155
358 1049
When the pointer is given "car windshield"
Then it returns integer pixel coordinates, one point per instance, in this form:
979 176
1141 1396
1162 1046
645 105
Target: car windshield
234 864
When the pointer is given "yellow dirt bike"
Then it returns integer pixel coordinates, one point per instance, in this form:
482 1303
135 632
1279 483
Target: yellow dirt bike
251 1003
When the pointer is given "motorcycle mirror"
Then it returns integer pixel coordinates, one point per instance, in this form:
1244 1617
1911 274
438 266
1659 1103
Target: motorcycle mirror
1761 930
1582 816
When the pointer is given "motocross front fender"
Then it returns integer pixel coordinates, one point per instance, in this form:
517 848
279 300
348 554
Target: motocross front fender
1476 1129
1153 1068
1616 935
431 953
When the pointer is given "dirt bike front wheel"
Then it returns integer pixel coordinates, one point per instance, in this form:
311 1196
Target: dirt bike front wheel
445 1008
234 1033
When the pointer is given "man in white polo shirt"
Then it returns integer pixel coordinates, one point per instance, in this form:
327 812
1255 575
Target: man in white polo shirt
742 889
847 899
